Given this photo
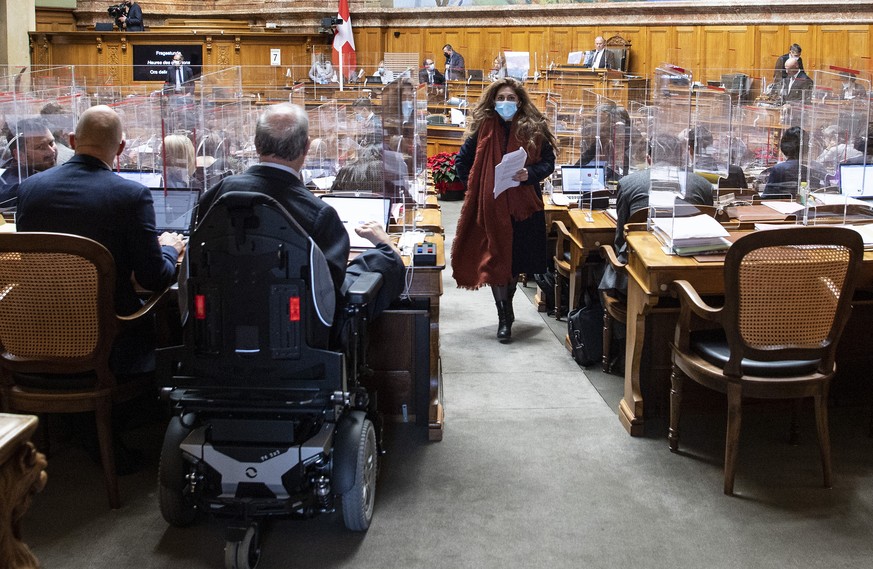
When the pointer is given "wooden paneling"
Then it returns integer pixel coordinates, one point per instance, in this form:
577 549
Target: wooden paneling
770 44
646 57
807 38
55 20
706 50
560 43
846 44
724 49
411 40
483 46
686 51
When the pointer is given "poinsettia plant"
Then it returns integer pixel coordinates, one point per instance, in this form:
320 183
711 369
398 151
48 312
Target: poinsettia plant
442 165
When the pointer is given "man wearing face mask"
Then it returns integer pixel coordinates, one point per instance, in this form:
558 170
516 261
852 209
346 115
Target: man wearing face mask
368 124
499 238
430 75
455 70
385 74
180 77
850 89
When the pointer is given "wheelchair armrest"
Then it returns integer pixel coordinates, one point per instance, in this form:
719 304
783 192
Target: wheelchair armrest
364 288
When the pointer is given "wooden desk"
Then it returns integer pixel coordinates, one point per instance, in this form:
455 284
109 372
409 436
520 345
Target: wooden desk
22 473
389 337
424 219
651 273
594 228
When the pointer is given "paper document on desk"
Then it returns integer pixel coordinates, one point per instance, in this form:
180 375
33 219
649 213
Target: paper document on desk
866 232
559 200
694 230
503 172
784 207
837 199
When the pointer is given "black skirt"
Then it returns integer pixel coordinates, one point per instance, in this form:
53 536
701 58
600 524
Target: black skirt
529 246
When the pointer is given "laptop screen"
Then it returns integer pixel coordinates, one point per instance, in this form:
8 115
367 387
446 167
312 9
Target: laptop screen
578 179
174 209
147 179
354 211
856 180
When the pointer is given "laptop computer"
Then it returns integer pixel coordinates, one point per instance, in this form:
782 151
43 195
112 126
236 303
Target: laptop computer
354 211
147 179
579 179
856 180
174 209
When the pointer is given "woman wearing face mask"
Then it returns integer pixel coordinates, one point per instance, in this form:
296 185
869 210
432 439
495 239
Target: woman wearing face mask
498 239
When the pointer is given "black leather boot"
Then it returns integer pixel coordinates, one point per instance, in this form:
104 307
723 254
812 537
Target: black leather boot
510 315
504 325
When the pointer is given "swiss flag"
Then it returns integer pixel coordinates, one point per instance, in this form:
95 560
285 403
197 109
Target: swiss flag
344 42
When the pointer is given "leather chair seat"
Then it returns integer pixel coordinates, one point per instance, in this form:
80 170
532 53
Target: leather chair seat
712 346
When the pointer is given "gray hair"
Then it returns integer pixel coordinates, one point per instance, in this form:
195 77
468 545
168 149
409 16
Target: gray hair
282 131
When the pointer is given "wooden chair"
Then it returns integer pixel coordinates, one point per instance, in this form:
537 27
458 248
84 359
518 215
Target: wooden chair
621 48
568 265
615 307
57 325
788 295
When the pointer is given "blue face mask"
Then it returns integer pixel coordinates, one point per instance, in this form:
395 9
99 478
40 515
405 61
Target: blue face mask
406 109
506 109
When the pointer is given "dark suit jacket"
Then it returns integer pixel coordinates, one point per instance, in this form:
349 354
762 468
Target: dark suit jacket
457 69
187 78
84 197
802 83
783 177
316 218
438 78
9 182
322 223
606 62
633 194
134 18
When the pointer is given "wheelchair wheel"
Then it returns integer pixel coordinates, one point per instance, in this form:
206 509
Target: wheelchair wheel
177 508
357 503
243 554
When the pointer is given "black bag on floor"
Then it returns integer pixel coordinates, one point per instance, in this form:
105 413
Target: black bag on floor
546 283
585 329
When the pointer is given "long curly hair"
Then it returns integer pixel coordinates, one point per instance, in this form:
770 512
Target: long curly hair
530 122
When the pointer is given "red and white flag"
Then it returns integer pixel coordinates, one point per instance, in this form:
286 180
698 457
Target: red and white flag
344 42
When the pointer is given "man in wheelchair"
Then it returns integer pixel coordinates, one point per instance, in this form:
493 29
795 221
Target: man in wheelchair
271 418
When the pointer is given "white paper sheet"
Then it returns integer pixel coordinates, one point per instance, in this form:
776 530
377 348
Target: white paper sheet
783 207
503 172
837 199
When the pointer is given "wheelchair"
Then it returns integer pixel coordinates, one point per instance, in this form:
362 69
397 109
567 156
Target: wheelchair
269 416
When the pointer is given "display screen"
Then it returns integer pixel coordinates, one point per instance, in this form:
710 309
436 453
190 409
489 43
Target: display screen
150 61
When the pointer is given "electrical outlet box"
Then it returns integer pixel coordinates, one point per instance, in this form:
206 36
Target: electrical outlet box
424 254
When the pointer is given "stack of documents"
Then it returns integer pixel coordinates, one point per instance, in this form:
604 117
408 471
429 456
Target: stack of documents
691 235
755 213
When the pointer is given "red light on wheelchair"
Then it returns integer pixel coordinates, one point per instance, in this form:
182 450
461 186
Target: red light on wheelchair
200 306
294 309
